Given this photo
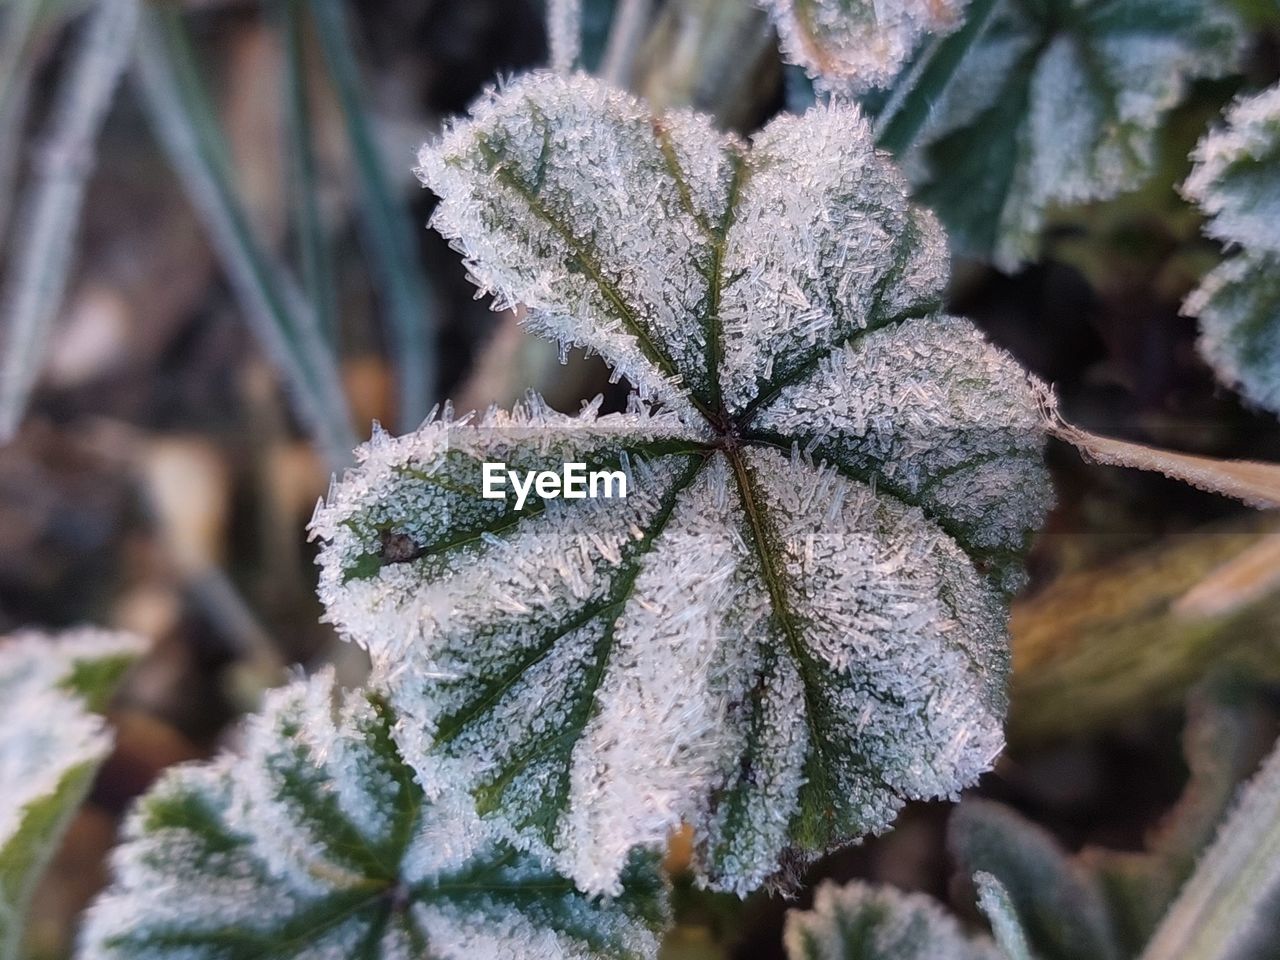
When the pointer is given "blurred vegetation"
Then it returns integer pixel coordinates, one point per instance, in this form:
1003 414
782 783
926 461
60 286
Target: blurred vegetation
242 281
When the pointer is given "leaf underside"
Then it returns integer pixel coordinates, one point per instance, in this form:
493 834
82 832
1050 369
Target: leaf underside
795 620
1058 103
50 748
319 843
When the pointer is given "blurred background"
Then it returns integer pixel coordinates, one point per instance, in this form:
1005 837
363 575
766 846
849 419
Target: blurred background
252 284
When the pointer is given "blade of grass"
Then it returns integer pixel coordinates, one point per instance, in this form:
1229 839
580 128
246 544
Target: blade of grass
37 280
1224 905
23 26
626 33
905 114
184 122
308 224
392 249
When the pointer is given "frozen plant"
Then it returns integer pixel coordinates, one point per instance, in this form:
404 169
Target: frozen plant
51 743
861 922
796 620
1236 182
317 842
1060 102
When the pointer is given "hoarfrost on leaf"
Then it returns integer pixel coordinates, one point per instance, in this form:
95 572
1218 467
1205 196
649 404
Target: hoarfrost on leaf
1060 102
847 46
50 747
1236 182
318 842
795 621
861 922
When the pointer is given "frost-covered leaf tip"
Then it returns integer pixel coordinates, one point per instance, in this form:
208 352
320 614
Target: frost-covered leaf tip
1236 181
861 922
796 619
1059 102
50 747
318 843
849 45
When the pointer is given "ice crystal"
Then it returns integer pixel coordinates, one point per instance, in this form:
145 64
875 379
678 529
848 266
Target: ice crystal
50 746
1236 181
862 922
1060 102
318 843
795 621
850 45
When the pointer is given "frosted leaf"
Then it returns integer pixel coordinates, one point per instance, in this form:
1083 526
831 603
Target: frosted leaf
1237 184
849 45
1059 102
861 922
318 843
50 747
795 621
1236 180
1238 304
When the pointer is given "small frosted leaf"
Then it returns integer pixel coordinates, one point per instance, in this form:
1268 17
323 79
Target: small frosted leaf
862 922
50 748
1059 903
1236 180
1236 183
1238 304
795 622
1059 102
847 46
319 843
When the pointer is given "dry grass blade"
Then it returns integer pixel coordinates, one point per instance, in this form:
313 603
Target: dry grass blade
1251 481
38 276
1238 583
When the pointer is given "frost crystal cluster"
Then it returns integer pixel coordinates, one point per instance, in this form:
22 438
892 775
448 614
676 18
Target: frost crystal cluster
861 922
850 45
1060 102
50 747
1236 181
319 843
795 621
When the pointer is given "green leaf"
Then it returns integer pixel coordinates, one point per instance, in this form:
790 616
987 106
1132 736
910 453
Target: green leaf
1058 103
1237 184
50 749
795 621
1061 906
318 842
862 922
